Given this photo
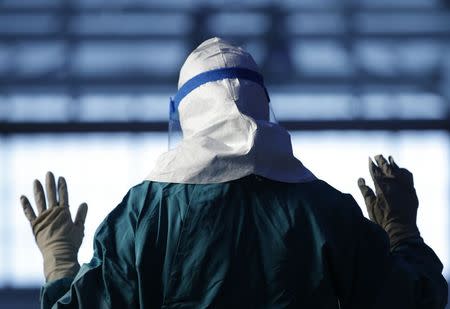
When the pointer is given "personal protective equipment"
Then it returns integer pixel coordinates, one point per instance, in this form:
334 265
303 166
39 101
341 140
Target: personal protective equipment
201 79
248 243
394 207
57 236
225 118
233 220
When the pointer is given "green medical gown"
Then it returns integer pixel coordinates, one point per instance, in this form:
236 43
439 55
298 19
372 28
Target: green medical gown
248 243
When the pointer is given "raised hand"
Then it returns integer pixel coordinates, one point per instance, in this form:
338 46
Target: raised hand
57 236
394 204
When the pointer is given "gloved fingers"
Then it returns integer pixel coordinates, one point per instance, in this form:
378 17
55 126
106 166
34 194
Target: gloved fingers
51 189
62 191
406 177
402 173
80 217
374 170
367 192
393 164
39 196
369 197
27 209
383 165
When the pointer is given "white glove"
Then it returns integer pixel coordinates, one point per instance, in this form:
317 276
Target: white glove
57 236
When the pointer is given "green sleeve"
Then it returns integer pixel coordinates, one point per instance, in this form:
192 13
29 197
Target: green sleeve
410 276
109 280
54 290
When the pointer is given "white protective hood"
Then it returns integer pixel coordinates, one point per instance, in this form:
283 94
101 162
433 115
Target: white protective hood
226 130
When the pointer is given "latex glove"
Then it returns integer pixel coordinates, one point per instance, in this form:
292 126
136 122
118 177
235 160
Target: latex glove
394 204
57 236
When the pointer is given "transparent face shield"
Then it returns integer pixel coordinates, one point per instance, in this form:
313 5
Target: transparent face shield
175 132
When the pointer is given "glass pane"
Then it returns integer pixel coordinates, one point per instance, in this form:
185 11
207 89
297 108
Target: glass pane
100 169
132 23
340 158
37 59
311 106
31 23
238 23
96 59
321 58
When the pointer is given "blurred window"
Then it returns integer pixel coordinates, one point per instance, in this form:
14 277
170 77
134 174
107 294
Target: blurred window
101 168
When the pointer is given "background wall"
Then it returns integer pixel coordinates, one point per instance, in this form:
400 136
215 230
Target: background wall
85 85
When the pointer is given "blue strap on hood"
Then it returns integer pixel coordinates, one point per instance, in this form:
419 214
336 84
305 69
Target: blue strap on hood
212 76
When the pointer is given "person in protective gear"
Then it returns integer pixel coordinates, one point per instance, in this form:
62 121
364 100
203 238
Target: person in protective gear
231 219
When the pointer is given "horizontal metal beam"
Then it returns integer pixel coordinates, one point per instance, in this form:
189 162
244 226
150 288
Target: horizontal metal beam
368 125
161 126
117 8
161 36
170 89
146 80
81 127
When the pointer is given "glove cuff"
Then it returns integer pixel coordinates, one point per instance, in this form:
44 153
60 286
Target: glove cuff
400 233
60 264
